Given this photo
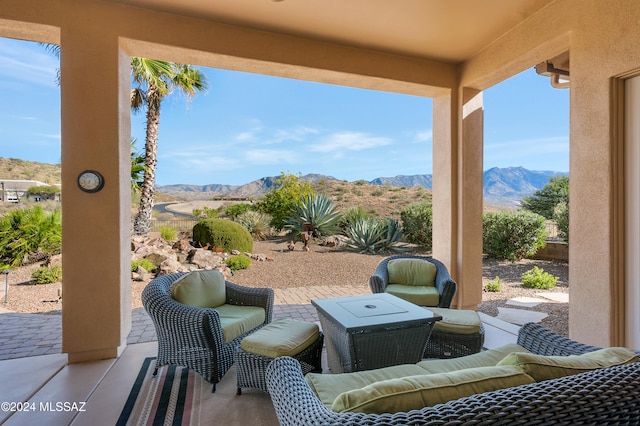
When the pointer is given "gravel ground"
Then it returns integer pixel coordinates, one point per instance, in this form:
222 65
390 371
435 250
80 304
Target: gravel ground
320 267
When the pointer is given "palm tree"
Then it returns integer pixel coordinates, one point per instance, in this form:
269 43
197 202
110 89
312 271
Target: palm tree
137 167
156 80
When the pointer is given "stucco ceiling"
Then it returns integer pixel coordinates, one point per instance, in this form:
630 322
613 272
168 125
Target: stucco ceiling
443 30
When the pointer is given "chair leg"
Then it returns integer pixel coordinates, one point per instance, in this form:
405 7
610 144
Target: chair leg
155 372
239 391
213 388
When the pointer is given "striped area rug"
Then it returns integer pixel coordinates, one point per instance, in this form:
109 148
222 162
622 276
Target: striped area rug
166 399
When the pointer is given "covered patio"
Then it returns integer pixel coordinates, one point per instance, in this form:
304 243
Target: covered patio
449 50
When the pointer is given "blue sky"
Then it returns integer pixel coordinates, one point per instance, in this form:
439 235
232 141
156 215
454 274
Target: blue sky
248 126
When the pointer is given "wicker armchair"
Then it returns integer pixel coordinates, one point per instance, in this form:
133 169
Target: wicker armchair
603 396
192 337
444 283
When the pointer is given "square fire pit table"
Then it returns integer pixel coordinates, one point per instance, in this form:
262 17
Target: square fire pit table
373 331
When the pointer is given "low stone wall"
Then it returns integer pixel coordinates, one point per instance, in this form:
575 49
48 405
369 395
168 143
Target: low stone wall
553 251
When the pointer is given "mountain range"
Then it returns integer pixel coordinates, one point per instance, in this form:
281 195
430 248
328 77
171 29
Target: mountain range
503 187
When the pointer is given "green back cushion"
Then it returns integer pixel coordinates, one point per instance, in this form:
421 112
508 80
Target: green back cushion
328 386
550 367
415 392
411 272
237 320
481 359
418 295
202 289
282 337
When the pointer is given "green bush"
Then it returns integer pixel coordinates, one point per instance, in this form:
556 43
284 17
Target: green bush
494 286
236 210
561 217
144 263
512 235
168 233
352 215
29 233
238 262
205 213
47 275
417 223
319 211
258 224
538 278
222 233
280 201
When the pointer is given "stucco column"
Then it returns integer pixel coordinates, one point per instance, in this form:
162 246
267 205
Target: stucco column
96 313
458 122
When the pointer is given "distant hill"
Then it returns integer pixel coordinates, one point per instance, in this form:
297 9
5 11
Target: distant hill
502 187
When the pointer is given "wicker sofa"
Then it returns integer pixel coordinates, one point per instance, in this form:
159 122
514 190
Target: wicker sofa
603 396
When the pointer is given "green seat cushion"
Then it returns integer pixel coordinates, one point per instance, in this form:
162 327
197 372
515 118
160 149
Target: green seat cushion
282 337
421 296
550 367
237 320
328 386
417 272
481 359
202 289
415 392
457 321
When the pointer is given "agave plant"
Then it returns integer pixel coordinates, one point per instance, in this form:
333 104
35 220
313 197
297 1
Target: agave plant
319 211
374 235
256 223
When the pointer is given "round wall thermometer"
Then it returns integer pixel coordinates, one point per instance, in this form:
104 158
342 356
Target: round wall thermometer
90 181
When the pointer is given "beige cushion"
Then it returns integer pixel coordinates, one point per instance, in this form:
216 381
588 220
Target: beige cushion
282 337
542 367
411 272
328 386
457 321
415 392
202 289
237 320
418 295
481 359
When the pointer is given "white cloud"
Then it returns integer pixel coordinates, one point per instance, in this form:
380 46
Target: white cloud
424 136
271 156
245 137
337 143
21 61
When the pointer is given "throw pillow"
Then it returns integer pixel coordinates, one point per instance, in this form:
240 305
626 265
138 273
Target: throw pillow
542 367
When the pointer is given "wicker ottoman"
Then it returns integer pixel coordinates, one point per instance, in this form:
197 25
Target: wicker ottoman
459 333
283 337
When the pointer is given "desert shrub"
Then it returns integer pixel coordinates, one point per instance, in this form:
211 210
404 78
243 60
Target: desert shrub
205 213
47 275
561 217
317 209
144 263
236 210
538 278
237 262
512 234
258 224
372 235
361 182
222 233
29 233
494 286
280 201
417 223
168 233
377 192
